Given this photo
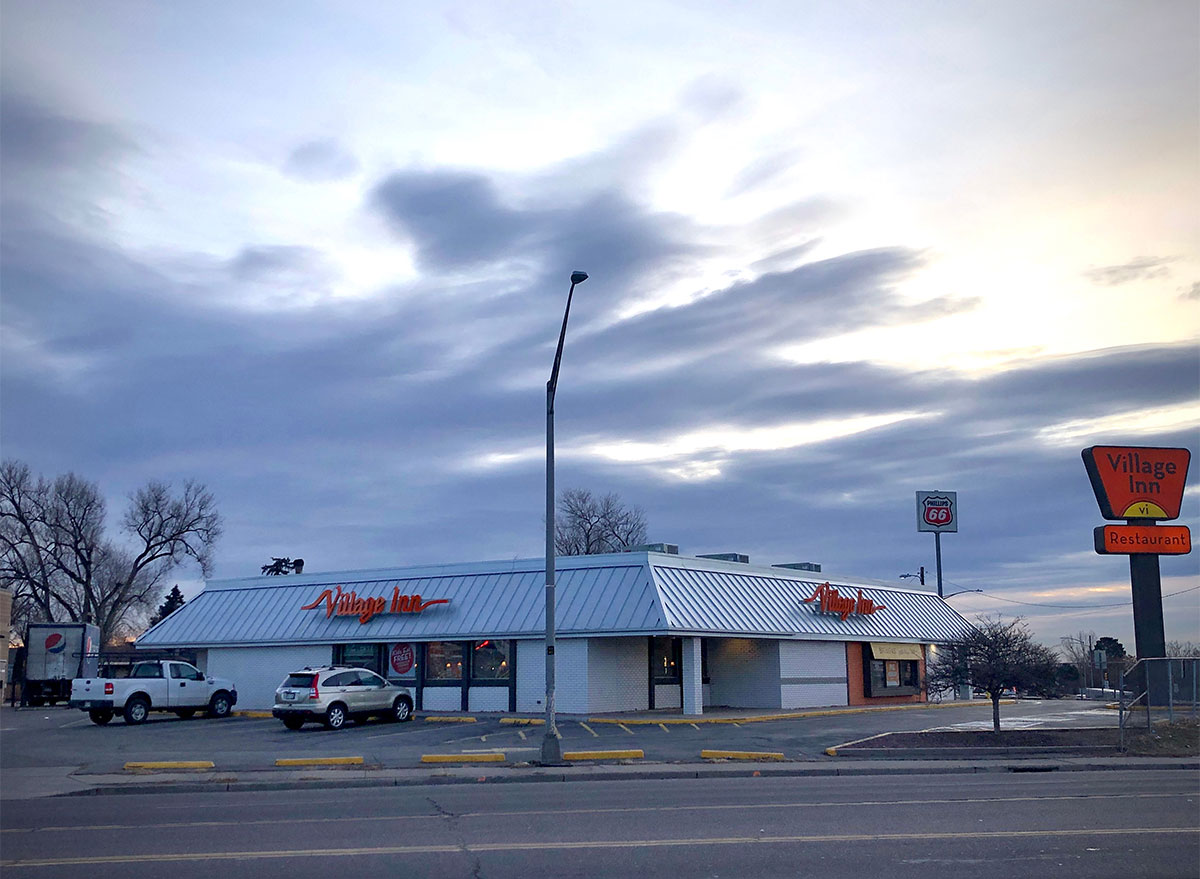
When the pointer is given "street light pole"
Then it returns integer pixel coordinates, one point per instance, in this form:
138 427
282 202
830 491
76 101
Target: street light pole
552 741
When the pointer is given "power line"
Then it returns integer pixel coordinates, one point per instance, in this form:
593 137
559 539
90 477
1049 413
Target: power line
1078 606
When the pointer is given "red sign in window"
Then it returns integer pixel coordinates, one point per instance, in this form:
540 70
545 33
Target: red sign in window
403 658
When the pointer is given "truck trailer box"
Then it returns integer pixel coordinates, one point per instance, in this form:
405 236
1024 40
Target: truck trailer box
58 653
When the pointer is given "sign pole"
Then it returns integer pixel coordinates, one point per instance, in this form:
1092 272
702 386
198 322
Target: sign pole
937 548
1148 631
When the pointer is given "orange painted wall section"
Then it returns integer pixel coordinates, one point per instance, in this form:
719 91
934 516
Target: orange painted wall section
854 679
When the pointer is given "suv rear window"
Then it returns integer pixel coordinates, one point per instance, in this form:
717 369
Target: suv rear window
304 680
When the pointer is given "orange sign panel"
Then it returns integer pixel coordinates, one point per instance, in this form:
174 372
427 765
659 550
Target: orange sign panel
1149 539
1136 482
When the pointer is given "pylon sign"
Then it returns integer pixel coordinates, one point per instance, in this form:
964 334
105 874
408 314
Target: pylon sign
1142 485
1137 482
937 511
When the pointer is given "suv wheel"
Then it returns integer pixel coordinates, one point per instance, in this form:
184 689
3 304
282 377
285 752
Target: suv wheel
402 710
335 718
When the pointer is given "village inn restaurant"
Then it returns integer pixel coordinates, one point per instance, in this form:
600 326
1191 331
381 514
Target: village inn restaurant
636 631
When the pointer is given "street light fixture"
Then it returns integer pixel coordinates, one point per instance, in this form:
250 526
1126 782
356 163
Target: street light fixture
552 741
962 592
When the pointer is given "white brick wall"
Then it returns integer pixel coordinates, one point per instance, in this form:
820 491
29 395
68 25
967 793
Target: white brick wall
667 696
693 687
744 672
617 669
258 671
809 665
441 699
570 676
487 699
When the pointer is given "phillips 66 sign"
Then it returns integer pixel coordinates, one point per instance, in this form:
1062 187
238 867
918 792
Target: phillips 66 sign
937 511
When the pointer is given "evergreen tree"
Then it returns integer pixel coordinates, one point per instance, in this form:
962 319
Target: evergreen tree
171 603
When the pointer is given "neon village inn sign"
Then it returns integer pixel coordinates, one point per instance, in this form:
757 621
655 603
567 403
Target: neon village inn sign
831 601
351 604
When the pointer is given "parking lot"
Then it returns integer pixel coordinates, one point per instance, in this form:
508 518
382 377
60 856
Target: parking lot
62 737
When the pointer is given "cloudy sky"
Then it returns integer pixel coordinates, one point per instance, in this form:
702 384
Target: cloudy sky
316 255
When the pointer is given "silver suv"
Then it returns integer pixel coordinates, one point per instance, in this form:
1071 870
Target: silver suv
334 694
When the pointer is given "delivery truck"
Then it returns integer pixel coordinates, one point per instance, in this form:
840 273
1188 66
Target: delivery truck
56 654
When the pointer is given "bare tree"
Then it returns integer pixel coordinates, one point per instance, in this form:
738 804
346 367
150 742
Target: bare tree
588 525
1185 649
1078 649
55 558
995 656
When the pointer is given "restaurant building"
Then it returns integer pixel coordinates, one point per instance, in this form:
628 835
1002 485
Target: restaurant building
636 631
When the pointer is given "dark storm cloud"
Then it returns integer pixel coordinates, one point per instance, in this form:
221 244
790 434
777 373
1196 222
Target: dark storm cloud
319 161
33 135
816 300
1144 268
455 219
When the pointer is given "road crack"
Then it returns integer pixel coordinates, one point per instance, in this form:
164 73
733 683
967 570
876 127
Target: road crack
460 837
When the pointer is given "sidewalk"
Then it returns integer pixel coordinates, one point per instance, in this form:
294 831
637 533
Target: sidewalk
20 784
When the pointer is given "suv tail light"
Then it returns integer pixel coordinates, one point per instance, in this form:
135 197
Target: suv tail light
314 694
108 689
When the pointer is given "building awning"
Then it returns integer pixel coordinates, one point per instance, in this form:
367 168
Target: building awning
895 651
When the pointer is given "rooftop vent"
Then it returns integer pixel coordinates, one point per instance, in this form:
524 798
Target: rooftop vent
726 557
801 566
666 548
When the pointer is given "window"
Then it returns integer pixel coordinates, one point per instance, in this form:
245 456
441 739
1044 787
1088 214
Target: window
342 679
890 677
360 655
443 661
666 660
490 661
299 680
147 670
179 671
370 679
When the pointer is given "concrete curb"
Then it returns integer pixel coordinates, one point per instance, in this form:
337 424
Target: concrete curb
258 781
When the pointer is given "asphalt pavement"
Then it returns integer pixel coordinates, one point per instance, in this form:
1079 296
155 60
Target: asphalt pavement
44 752
1123 824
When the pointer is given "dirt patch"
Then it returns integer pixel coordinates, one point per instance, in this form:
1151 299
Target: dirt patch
1006 738
1179 739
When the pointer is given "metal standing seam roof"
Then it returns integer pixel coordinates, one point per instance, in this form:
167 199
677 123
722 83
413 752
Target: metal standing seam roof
625 593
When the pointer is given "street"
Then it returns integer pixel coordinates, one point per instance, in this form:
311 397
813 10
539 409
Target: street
62 737
1117 824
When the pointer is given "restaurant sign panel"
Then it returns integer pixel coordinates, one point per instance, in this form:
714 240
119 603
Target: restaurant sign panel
1137 482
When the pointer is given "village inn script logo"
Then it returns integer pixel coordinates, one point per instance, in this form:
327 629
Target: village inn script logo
351 604
831 601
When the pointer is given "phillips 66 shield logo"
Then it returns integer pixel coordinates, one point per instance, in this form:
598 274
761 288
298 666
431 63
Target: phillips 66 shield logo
937 511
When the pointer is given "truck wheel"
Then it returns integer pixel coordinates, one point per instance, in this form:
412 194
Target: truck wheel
293 722
137 710
100 717
186 713
219 706
402 710
335 718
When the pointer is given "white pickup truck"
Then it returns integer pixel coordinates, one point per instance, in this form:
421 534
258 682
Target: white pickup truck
153 685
